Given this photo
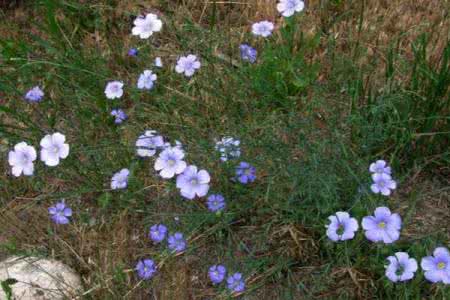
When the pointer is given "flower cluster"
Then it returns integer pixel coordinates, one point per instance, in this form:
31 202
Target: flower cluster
235 282
383 227
382 180
176 241
191 181
228 148
53 149
436 267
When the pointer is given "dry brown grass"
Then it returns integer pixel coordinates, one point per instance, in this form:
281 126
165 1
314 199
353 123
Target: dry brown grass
431 202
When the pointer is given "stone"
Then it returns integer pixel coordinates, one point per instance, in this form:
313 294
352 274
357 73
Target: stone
32 278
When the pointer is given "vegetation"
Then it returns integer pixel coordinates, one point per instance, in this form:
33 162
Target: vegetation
335 88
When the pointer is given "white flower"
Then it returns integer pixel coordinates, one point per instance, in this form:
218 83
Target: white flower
193 182
147 143
187 65
228 148
170 162
120 179
21 159
289 7
114 89
145 26
263 28
158 62
146 80
54 148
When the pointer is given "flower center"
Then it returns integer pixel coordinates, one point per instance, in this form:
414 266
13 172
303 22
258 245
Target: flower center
381 184
248 172
400 270
24 158
194 181
340 230
441 265
55 149
171 162
148 26
382 225
188 65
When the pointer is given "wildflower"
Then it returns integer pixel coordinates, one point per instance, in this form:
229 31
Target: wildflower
342 227
60 213
380 167
146 80
158 62
401 267
114 89
289 7
217 273
193 183
263 28
216 202
228 148
245 173
120 179
437 267
187 65
158 233
146 269
145 26
34 95
383 183
236 283
248 52
21 159
147 143
133 52
383 227
53 149
177 242
170 162
119 115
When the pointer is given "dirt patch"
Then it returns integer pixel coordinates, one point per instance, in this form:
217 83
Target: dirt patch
431 214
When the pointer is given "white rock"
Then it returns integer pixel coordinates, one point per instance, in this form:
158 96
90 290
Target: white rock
39 279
